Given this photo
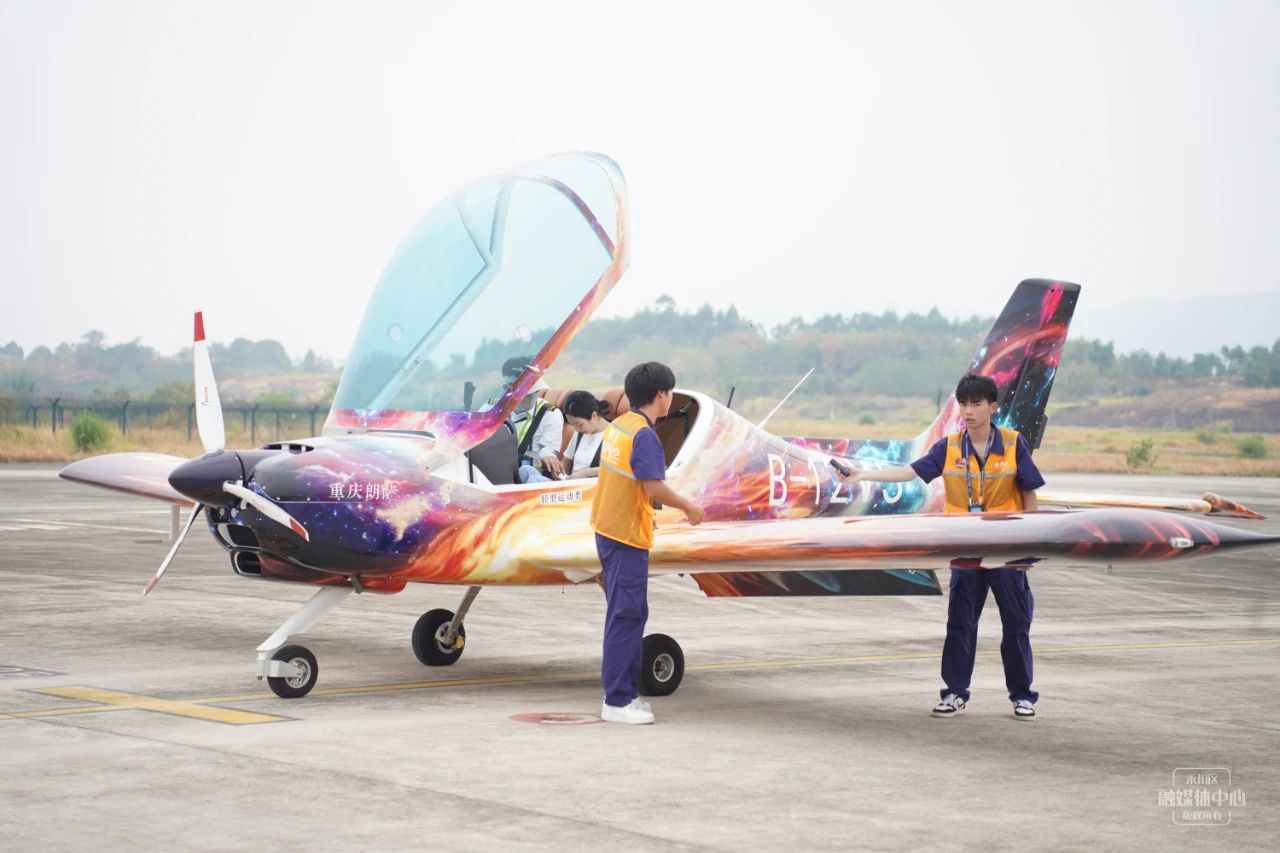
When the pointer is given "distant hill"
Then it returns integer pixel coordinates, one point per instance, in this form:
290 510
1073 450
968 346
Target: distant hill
1183 327
860 359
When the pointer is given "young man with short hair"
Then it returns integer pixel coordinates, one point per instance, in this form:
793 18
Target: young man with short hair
632 470
985 469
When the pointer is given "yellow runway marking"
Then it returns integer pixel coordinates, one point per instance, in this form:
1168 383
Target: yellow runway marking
110 700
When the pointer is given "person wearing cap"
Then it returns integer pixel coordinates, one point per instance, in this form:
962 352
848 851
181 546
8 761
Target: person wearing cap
985 469
538 426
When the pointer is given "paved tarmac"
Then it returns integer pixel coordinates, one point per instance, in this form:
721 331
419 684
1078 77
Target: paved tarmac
801 724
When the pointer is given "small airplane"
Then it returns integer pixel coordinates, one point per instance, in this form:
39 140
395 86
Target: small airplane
413 479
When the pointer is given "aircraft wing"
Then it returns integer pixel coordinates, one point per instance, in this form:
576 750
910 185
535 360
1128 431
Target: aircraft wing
144 474
1209 504
936 541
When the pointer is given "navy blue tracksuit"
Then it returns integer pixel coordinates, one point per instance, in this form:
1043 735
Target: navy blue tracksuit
1013 596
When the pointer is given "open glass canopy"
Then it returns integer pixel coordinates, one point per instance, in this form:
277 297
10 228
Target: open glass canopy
507 267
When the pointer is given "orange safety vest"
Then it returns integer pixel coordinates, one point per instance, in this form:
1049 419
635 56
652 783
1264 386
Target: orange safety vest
621 510
995 486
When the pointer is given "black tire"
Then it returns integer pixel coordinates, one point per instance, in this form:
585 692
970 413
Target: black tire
662 666
427 647
295 688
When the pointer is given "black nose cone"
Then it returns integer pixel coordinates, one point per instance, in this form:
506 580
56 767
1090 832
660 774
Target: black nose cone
201 479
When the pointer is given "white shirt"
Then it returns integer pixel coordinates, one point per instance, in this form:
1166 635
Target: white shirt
548 435
584 451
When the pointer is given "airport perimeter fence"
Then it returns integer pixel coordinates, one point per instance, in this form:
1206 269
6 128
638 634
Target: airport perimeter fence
270 420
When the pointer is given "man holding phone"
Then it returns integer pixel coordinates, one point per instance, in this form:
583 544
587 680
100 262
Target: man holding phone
985 469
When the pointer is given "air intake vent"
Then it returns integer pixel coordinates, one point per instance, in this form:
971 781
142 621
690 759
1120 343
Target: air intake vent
291 446
241 536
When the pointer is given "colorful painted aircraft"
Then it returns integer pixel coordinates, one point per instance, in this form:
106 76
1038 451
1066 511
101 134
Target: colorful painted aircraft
413 478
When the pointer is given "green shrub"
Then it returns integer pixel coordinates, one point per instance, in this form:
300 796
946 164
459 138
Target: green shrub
1253 447
1206 436
89 432
1141 454
866 418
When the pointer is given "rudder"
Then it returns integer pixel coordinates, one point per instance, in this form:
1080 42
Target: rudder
1021 353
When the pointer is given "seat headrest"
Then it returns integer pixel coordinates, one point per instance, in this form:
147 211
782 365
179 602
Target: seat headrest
618 403
556 396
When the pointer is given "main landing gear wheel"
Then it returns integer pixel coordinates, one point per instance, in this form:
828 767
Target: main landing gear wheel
662 666
429 636
294 687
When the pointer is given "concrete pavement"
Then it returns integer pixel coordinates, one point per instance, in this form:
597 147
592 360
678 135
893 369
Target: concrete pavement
801 723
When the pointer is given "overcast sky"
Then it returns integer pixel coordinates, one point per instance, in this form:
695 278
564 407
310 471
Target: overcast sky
261 160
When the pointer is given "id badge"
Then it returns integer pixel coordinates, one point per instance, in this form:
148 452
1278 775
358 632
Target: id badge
975 507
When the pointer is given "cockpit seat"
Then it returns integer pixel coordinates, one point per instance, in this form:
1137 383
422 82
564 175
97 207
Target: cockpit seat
495 457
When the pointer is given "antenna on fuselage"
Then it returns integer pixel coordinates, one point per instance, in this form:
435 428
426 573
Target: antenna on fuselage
729 403
784 399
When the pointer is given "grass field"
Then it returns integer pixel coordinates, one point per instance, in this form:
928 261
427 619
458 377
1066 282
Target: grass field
1065 448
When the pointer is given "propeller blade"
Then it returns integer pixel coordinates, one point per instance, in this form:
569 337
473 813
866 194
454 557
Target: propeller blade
208 406
172 551
268 508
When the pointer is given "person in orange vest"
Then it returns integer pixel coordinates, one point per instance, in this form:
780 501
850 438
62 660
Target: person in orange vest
985 469
632 470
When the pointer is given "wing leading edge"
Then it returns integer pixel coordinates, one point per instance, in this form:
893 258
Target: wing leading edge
143 474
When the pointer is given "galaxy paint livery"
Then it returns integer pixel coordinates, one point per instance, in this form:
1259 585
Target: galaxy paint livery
403 487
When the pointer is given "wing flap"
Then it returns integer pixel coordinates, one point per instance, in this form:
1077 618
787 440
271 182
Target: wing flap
811 583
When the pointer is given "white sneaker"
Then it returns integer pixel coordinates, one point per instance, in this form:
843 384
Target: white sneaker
1024 710
633 714
950 706
644 704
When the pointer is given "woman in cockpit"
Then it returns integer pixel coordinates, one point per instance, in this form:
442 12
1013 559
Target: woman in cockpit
585 414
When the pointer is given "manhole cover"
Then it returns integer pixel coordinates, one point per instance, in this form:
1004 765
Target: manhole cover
557 718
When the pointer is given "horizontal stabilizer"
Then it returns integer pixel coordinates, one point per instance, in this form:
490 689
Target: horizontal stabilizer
143 474
888 582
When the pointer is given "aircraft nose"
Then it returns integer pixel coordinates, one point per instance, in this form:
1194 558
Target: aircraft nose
201 479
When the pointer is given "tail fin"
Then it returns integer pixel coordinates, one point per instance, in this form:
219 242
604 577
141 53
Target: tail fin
1021 353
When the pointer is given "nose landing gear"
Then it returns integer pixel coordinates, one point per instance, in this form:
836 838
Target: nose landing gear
291 671
306 670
